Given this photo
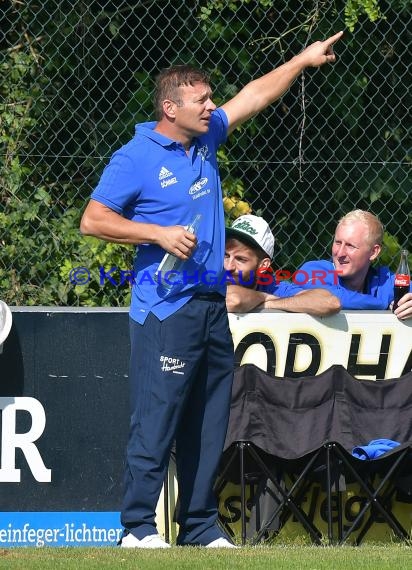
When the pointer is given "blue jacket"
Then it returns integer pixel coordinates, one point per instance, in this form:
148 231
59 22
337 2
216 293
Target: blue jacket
378 293
374 448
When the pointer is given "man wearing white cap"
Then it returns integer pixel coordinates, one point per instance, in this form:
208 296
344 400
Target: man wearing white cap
251 282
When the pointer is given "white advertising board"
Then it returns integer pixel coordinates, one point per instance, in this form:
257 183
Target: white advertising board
371 345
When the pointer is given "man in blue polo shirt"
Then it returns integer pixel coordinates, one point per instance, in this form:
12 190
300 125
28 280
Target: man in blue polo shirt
252 283
181 364
357 283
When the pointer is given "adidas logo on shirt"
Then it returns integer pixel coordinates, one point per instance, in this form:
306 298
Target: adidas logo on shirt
166 177
164 173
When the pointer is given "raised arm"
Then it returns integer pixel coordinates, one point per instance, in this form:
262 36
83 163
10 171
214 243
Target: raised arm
261 92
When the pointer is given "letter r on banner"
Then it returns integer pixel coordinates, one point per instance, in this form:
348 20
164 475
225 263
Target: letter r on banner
10 440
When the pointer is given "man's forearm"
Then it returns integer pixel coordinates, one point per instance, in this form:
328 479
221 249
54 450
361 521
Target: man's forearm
261 92
317 302
241 299
100 221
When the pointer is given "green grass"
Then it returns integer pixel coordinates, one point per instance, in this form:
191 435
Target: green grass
367 557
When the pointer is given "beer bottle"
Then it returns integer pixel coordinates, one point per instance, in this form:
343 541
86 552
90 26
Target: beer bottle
402 279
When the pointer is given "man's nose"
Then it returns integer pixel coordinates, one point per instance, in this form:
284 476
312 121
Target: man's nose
210 105
341 250
229 264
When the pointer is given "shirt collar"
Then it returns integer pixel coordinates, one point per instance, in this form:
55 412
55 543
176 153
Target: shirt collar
147 130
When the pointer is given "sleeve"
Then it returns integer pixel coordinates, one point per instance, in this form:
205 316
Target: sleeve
287 289
220 123
280 289
350 300
382 284
354 300
118 186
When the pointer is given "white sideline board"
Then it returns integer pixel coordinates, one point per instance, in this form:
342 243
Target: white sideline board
369 344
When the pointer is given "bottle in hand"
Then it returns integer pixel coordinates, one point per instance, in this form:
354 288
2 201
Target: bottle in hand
402 279
167 273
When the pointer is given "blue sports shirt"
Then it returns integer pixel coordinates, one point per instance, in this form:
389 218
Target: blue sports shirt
152 180
281 289
378 294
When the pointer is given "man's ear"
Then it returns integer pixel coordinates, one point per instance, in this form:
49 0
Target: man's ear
376 249
169 108
265 263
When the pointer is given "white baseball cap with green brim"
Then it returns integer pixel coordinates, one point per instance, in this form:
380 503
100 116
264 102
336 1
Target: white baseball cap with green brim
253 230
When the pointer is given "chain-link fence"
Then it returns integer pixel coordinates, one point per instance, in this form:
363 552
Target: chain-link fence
77 75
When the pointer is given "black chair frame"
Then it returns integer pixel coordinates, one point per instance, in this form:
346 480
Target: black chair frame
376 483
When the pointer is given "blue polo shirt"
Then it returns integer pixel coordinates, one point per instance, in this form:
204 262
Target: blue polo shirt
282 289
152 180
378 293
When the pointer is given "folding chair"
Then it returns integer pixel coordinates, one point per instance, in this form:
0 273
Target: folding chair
263 410
378 480
372 410
330 413
244 451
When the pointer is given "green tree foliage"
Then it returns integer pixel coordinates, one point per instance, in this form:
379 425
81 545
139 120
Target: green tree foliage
40 202
350 134
76 76
354 8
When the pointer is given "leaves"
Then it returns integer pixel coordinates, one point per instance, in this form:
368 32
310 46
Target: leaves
74 82
354 8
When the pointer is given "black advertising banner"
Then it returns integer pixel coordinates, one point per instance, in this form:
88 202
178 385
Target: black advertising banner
64 402
64 407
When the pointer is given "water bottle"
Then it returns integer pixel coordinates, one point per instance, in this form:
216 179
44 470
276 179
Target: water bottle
171 263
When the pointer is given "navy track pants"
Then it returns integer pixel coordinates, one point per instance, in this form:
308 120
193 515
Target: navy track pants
181 372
